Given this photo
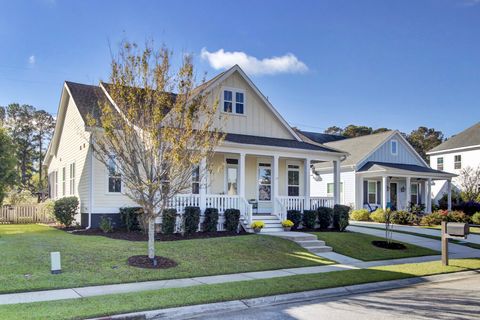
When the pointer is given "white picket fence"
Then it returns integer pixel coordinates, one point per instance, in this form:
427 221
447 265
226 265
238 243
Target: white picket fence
24 214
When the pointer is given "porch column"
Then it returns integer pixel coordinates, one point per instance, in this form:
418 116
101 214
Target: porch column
275 184
384 192
408 185
360 195
203 184
307 184
336 182
241 166
428 194
449 191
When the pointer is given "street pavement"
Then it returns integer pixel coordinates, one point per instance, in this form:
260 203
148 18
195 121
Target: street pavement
459 299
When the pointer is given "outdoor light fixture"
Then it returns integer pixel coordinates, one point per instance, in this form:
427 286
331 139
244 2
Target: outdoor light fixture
56 267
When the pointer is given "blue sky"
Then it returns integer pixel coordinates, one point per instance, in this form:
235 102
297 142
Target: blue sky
396 64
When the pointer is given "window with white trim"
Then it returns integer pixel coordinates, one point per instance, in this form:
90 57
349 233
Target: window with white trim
55 177
414 193
196 180
293 180
440 163
372 192
457 164
72 178
233 101
64 186
394 147
114 176
331 189
264 182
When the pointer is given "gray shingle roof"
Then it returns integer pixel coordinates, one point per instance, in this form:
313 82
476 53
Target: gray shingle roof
321 137
87 98
407 168
275 142
466 138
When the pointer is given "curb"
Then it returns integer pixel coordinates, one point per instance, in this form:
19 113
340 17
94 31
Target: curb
237 305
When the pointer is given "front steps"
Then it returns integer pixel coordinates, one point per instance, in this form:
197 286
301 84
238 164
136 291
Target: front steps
305 240
272 223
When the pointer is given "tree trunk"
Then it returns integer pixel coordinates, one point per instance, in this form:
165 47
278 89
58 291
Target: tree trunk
151 238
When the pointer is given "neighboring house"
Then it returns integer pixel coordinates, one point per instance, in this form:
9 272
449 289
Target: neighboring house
382 170
460 151
262 167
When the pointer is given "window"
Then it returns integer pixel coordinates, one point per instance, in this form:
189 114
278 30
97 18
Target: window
196 180
233 101
372 192
457 161
330 189
264 182
72 178
55 177
114 176
394 147
440 163
414 193
293 180
232 177
63 181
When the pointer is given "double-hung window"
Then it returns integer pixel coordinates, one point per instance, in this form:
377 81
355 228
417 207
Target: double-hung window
72 178
457 161
233 101
293 180
196 180
114 176
331 189
440 163
64 186
372 192
414 193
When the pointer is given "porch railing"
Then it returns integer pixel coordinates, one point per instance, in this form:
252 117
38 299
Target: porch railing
316 202
281 209
222 202
180 201
292 203
246 211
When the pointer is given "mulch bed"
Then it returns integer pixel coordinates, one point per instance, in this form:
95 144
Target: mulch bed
143 261
391 245
122 234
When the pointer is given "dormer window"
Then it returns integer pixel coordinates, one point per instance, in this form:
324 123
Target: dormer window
233 101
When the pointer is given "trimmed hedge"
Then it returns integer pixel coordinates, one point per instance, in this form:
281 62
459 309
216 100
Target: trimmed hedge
168 221
65 210
360 215
191 219
129 217
309 219
403 217
210 220
296 217
325 216
232 219
476 218
378 215
340 217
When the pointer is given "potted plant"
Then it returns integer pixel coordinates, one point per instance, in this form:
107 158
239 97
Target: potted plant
287 225
257 226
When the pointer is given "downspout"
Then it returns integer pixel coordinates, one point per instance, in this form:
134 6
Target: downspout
90 189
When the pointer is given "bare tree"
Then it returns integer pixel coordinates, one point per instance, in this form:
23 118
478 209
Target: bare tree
155 137
469 180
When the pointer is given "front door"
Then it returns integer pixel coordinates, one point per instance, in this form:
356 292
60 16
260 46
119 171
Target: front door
393 196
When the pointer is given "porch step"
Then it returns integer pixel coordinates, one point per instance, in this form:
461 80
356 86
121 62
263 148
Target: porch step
311 243
320 249
305 240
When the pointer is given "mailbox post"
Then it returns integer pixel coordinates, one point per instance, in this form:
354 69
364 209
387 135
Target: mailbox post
452 230
444 244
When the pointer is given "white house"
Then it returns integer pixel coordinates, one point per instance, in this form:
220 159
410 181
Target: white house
262 163
460 151
382 170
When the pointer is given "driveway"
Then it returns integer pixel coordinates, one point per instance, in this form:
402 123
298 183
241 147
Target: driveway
459 299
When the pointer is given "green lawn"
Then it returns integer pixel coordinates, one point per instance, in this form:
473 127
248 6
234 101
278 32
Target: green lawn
164 298
359 246
91 260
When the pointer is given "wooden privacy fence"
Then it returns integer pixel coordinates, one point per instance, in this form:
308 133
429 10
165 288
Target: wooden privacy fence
24 214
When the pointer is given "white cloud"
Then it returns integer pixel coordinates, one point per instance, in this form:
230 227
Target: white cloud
31 60
221 59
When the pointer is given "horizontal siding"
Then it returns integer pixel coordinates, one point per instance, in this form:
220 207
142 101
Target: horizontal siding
319 188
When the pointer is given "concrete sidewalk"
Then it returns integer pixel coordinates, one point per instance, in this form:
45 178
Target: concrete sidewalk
472 238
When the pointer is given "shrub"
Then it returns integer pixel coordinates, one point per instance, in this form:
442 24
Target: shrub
211 220
130 217
469 207
295 216
191 219
378 215
232 219
257 225
340 217
287 223
360 215
48 206
457 216
434 218
106 224
169 218
325 216
309 219
403 217
416 208
476 218
65 210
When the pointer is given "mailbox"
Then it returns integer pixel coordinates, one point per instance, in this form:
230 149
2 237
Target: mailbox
457 229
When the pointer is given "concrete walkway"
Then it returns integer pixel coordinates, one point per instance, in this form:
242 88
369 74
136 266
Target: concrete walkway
472 238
